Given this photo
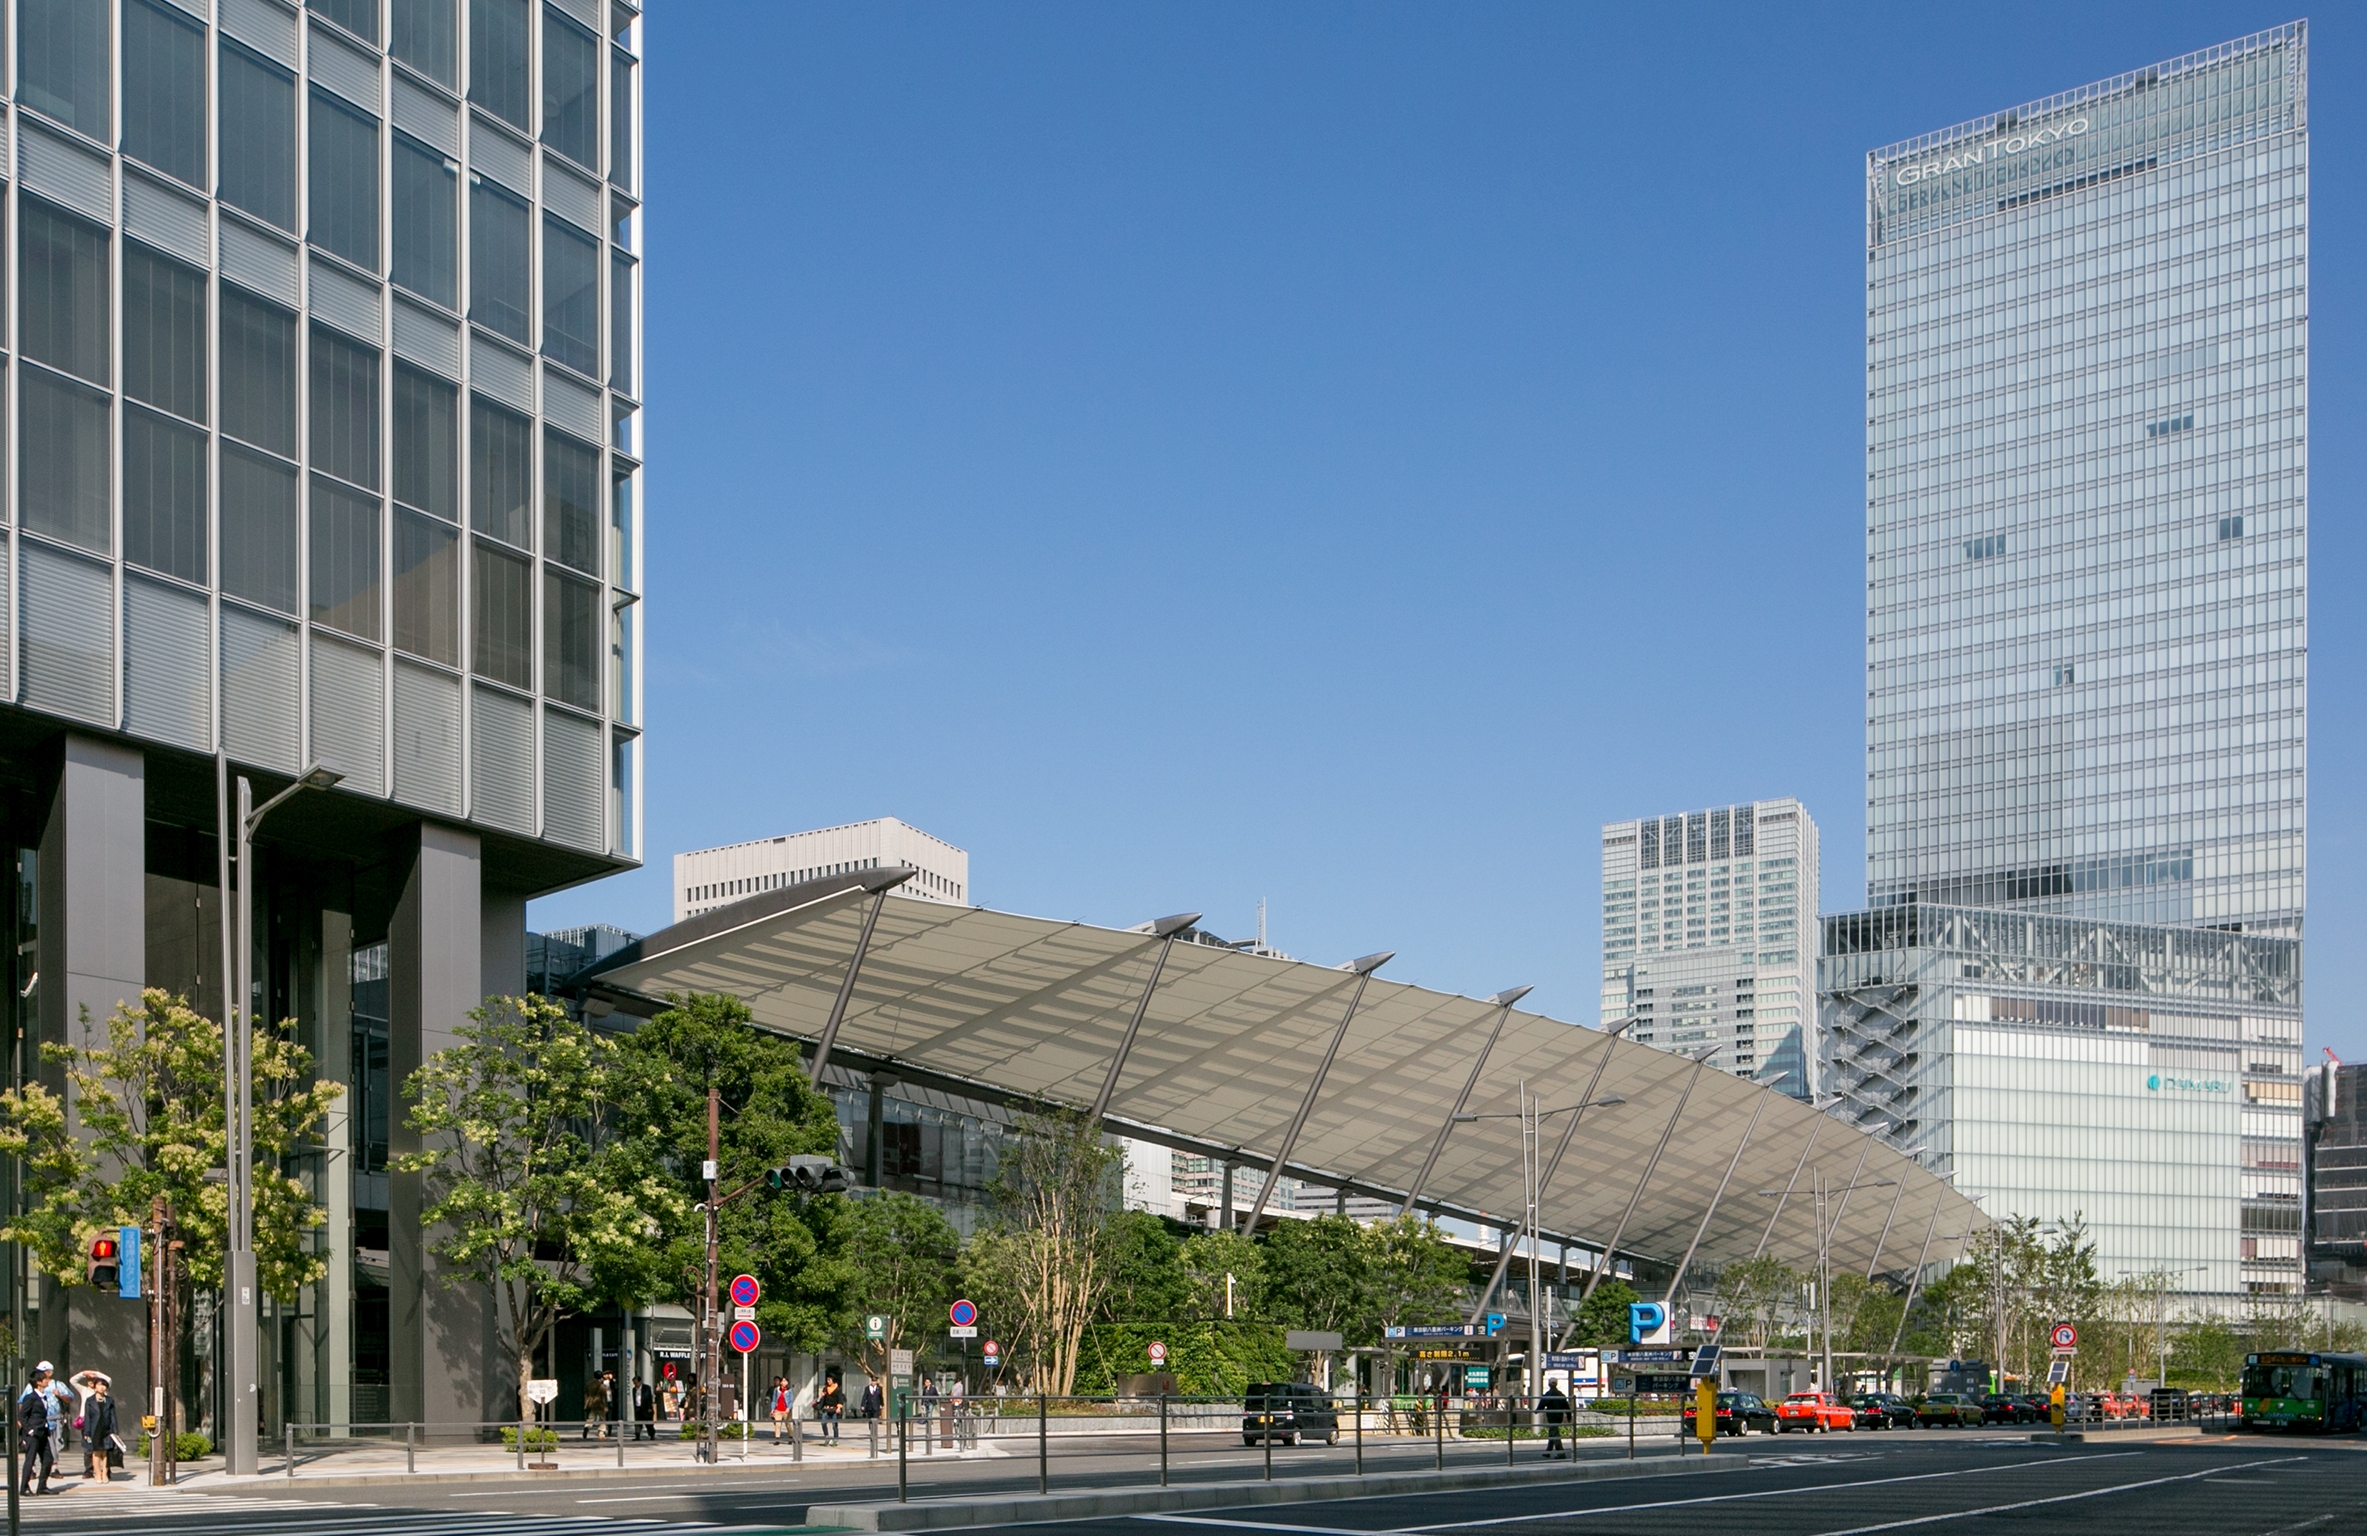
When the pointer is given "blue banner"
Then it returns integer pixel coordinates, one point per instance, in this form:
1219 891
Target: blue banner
127 1259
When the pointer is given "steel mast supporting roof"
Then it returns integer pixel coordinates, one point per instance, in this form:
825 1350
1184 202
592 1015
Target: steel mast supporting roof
1030 1011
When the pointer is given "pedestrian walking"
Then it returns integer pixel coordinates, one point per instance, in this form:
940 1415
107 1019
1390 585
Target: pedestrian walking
37 1409
871 1400
781 1407
1557 1413
832 1406
644 1411
595 1408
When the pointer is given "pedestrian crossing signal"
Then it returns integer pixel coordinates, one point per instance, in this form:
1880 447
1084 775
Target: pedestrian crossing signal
104 1266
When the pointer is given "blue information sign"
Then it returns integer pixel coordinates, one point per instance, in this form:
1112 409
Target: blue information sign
127 1260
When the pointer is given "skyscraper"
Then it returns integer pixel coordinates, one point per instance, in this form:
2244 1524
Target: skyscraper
322 450
1709 934
2087 604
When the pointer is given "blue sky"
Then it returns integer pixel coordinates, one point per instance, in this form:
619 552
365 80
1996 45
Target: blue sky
1341 454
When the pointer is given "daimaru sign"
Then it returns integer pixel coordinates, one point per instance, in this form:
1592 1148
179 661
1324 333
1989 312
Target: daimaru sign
1994 149
2160 1081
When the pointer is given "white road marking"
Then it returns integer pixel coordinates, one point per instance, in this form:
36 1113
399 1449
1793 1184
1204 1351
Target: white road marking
2060 1498
1724 1498
1259 1525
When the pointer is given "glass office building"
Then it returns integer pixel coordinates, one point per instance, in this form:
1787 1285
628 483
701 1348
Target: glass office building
322 366
2086 510
1706 917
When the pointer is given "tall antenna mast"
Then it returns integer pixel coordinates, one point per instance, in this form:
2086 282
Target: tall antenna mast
1261 922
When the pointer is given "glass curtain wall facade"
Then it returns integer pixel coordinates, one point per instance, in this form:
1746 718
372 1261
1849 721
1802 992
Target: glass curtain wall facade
334 465
2087 525
320 361
2087 499
2064 1067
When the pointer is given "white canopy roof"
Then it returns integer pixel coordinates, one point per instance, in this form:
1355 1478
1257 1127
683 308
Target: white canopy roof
1021 1009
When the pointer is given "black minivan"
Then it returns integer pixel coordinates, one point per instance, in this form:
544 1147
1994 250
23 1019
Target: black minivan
1287 1411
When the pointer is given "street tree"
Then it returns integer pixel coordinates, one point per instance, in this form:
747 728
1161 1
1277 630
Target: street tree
531 1189
1225 1276
146 1120
904 1257
1316 1273
1045 1259
1602 1320
793 1244
1411 1275
1147 1280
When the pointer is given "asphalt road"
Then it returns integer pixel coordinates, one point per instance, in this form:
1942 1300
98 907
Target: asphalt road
1839 1486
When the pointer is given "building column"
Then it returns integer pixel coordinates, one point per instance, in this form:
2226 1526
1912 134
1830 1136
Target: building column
440 1339
503 944
340 1145
92 954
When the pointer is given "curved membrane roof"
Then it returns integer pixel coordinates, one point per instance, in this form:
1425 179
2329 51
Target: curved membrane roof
1028 1009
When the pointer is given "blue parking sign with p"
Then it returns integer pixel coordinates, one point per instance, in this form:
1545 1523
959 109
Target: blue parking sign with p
1644 1319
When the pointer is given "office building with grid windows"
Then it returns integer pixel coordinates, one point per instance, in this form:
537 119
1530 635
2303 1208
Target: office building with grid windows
322 414
2087 600
1709 935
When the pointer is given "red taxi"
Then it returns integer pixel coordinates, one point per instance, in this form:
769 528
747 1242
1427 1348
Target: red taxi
1812 1411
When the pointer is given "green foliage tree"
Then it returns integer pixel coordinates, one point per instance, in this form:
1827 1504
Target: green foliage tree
1225 1276
530 1187
903 1258
797 1248
1411 1275
1755 1298
1315 1273
1045 1261
1147 1281
2207 1354
146 1121
1602 1320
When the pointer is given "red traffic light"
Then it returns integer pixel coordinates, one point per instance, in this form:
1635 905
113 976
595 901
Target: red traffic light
102 1247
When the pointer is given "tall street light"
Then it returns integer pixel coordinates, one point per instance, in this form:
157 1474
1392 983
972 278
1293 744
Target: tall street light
240 1339
1532 1125
1826 1227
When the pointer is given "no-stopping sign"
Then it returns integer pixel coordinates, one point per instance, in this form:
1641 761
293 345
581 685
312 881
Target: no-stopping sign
743 1290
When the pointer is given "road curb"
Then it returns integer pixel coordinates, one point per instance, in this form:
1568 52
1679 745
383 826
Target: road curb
2118 1436
263 1482
1087 1504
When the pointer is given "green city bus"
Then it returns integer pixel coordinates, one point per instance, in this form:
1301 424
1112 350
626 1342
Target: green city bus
2293 1390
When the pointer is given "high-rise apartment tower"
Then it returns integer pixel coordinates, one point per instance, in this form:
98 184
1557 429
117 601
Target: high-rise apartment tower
2087 608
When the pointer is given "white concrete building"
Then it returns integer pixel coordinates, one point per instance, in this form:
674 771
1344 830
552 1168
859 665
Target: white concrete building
1709 935
717 877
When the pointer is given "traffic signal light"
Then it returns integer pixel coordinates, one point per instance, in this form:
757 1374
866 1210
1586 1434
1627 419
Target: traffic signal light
808 1175
103 1265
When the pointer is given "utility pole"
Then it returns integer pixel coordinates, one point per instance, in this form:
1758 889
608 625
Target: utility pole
710 1337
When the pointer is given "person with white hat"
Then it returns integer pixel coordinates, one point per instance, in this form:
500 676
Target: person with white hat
38 1410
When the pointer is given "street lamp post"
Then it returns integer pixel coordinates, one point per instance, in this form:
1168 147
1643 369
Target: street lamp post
1826 1227
242 1432
1532 1127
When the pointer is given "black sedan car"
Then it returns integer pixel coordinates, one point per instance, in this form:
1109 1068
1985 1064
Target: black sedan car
1288 1411
1738 1414
2005 1408
1883 1410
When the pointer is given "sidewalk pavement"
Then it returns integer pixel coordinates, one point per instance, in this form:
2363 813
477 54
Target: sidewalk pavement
366 1461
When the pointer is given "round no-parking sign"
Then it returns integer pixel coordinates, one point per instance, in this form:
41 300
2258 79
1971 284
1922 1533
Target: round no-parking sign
745 1338
964 1314
2064 1336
